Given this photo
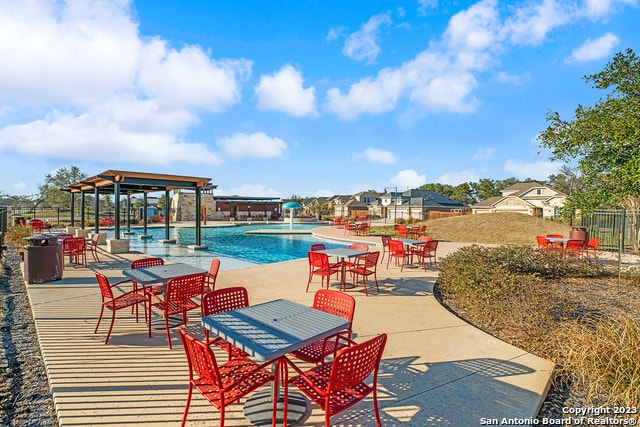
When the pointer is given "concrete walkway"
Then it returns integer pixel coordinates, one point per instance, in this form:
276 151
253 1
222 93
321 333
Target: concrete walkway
437 369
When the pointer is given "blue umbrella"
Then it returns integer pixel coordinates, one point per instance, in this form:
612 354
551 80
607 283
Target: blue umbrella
291 206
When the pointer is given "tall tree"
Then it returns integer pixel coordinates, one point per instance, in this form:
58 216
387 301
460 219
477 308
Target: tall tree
567 180
443 189
51 193
604 139
463 193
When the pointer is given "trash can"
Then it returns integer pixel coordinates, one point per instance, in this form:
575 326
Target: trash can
578 233
42 259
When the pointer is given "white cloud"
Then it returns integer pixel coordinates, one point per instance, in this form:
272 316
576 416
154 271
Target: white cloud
455 178
408 179
257 144
484 153
19 187
531 23
335 33
87 86
91 136
189 78
363 44
380 156
594 49
537 170
283 91
424 4
596 9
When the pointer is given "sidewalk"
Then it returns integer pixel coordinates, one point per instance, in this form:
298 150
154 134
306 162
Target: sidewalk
437 370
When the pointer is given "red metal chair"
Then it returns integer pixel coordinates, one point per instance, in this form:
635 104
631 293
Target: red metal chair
350 228
543 243
222 385
575 249
76 249
318 247
402 231
149 262
114 303
397 252
365 266
336 386
212 275
93 246
219 301
557 246
336 303
385 247
592 246
179 299
364 229
319 265
425 252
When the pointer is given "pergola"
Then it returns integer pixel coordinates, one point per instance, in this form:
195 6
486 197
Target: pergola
125 182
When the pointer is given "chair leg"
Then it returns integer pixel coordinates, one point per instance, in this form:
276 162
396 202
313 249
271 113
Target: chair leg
186 408
99 319
113 319
166 325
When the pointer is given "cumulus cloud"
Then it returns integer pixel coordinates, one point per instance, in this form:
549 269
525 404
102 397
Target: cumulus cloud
379 156
88 136
594 49
444 77
284 91
363 44
455 178
423 5
258 145
408 178
537 170
83 81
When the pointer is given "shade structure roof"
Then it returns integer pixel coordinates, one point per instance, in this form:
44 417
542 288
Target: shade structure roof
292 205
137 182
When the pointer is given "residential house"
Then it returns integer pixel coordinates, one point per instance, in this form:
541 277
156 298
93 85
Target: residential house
529 198
416 204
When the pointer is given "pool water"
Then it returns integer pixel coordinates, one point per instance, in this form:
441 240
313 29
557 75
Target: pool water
234 248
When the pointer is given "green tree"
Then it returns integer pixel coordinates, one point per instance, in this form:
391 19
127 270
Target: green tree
443 189
463 193
567 180
51 194
604 139
484 189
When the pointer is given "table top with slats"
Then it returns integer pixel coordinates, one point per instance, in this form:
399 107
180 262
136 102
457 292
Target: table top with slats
160 273
272 329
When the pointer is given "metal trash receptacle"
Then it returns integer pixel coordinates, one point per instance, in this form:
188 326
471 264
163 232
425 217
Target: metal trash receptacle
42 259
579 233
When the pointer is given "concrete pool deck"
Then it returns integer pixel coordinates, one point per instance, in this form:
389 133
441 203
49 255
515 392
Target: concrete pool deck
437 369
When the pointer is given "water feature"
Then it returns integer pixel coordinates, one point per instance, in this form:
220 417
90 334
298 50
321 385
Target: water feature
230 243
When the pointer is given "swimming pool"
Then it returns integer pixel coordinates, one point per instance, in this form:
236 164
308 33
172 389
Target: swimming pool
230 243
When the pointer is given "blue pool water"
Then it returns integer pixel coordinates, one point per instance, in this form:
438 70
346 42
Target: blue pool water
235 248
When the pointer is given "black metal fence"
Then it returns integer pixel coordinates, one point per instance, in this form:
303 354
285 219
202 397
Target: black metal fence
3 227
61 216
616 228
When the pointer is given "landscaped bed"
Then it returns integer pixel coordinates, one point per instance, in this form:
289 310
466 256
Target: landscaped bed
576 314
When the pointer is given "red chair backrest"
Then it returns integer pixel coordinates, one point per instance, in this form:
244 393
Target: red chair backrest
371 259
95 239
221 300
147 262
185 287
431 245
396 246
555 236
318 247
202 361
74 244
593 242
425 238
385 240
318 259
336 303
354 364
214 267
105 286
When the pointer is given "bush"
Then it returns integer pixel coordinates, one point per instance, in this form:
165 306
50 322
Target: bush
15 236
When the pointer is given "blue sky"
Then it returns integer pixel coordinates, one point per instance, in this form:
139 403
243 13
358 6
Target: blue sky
314 98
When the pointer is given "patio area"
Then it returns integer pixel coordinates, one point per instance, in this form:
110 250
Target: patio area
436 369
